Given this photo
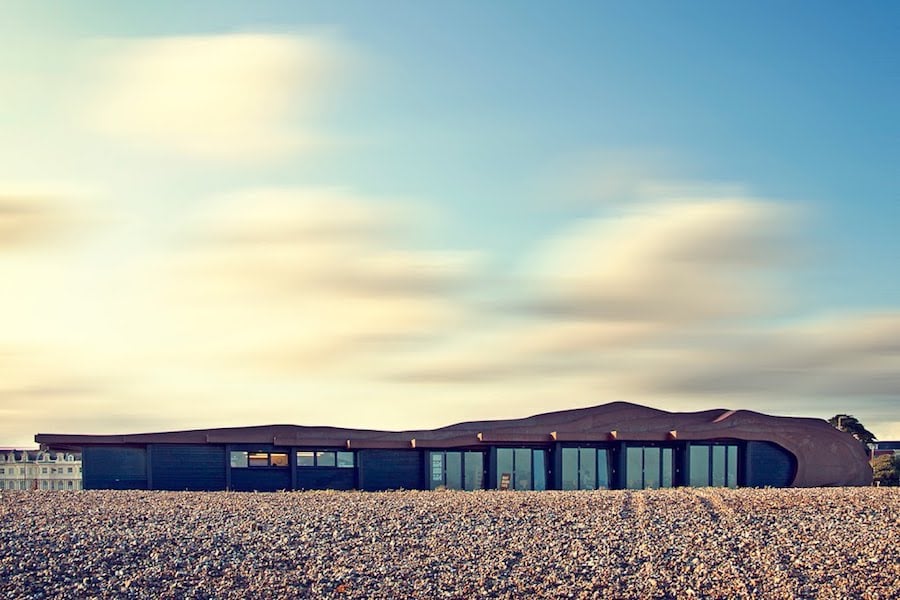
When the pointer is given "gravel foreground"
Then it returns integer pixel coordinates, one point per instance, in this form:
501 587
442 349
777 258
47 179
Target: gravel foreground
681 543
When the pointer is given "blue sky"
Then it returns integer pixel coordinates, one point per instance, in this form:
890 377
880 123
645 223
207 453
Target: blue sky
401 215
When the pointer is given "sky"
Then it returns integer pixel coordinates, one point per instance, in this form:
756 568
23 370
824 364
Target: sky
404 215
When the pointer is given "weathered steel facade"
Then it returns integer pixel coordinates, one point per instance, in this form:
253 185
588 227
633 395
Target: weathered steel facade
614 446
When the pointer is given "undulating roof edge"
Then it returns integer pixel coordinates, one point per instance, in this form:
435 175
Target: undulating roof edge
825 455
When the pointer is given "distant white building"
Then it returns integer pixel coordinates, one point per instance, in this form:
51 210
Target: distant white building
39 470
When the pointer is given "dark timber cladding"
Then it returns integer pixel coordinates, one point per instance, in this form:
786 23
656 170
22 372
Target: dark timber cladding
613 446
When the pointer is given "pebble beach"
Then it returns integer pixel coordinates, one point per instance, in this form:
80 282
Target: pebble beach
678 543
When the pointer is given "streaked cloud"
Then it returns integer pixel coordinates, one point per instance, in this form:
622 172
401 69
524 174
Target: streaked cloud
672 304
598 296
234 97
30 215
837 356
666 261
302 277
307 297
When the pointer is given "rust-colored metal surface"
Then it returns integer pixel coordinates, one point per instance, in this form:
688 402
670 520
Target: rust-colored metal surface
825 456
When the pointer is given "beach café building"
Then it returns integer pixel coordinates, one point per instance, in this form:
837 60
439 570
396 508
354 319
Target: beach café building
612 446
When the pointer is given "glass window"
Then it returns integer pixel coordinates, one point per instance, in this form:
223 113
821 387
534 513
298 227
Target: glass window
667 462
454 470
474 470
345 460
239 460
699 466
69 470
70 485
603 468
526 468
437 470
570 468
587 470
522 469
447 470
258 459
732 466
279 459
718 466
2 471
634 468
306 458
504 466
540 470
326 458
714 465
651 468
648 467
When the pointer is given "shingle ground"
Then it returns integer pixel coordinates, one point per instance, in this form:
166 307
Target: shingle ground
681 543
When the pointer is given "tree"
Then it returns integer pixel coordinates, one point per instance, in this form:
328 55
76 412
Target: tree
851 425
886 469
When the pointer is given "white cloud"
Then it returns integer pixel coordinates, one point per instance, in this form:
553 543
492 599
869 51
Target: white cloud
669 261
237 97
41 214
279 304
672 304
296 280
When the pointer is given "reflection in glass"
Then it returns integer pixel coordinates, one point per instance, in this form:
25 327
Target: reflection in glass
718 466
651 468
587 469
474 470
667 462
437 470
325 458
714 465
522 469
504 465
454 471
305 458
570 468
345 460
699 465
634 468
239 460
732 466
279 459
540 470
258 459
603 469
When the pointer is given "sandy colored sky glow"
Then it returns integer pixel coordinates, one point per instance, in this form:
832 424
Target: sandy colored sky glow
390 216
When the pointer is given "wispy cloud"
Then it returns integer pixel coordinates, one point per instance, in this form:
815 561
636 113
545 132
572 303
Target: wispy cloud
666 261
233 97
31 215
301 277
836 357
275 304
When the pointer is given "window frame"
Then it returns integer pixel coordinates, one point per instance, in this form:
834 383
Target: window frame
662 474
532 480
579 453
339 458
263 459
465 484
732 453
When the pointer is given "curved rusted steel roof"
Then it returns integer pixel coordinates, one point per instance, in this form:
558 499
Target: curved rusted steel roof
825 456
